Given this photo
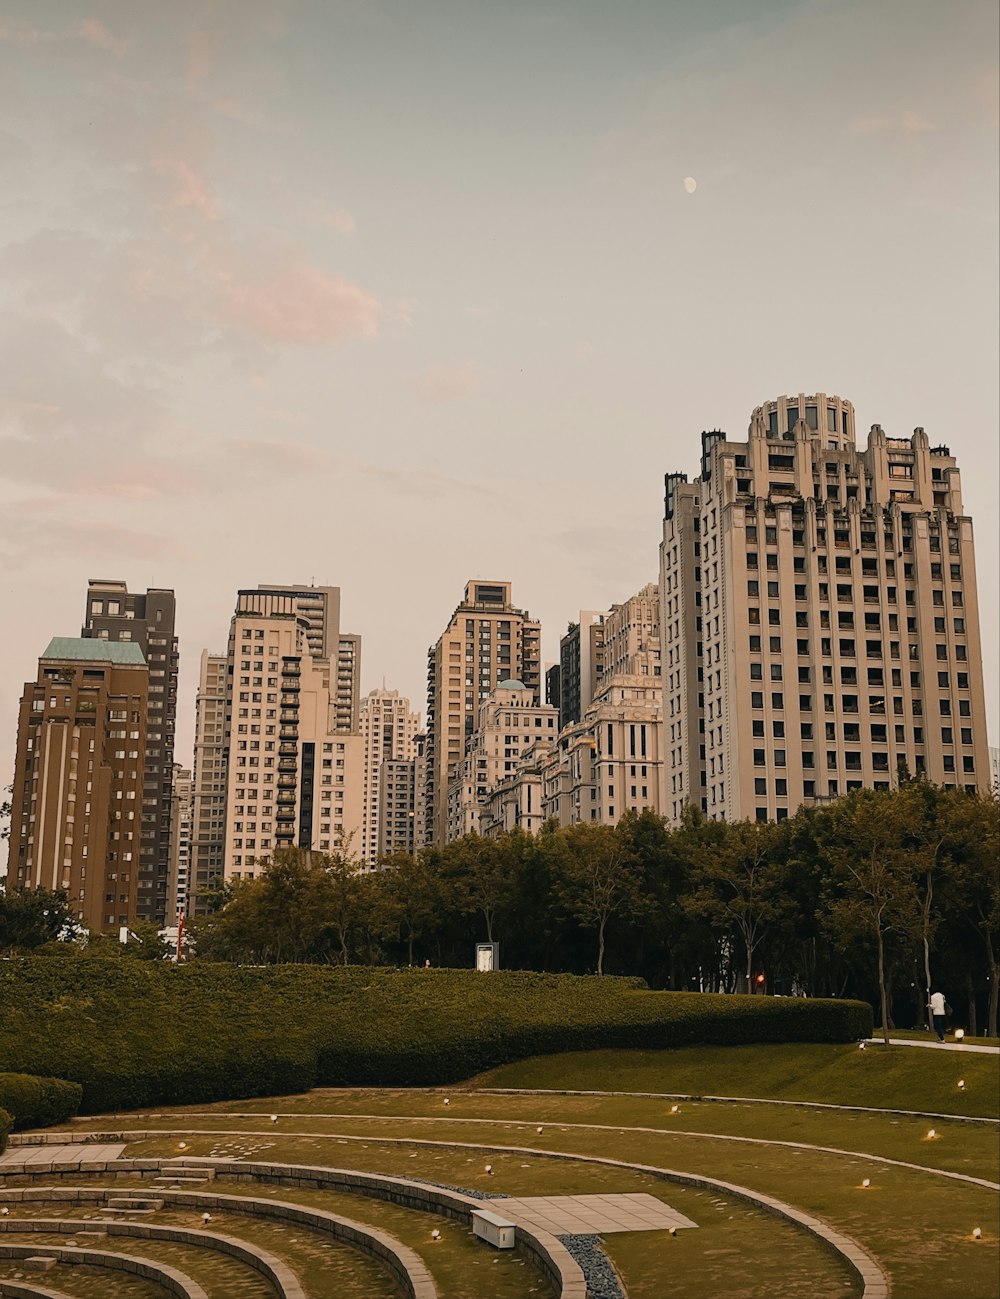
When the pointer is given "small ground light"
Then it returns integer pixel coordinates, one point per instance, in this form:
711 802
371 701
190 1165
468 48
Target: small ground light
866 1182
435 1234
206 1218
931 1134
959 1034
182 1145
674 1109
961 1084
274 1118
447 1101
539 1128
861 1046
4 1211
977 1233
489 1169
673 1231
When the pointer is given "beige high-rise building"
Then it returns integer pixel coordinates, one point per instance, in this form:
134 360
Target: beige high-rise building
208 814
388 728
78 778
486 642
836 621
292 778
181 812
511 721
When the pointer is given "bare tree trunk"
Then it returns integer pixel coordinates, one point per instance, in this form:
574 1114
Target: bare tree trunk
926 917
409 946
600 946
991 1017
883 996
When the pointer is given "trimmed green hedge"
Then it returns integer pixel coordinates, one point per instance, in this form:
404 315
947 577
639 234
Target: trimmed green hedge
6 1123
38 1102
138 1034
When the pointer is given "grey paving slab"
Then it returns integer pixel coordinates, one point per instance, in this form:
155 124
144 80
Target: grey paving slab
565 1215
70 1154
934 1044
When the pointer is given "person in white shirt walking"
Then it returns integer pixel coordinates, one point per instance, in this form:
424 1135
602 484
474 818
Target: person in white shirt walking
938 1012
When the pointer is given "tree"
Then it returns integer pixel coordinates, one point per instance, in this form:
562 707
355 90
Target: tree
934 817
738 884
5 811
30 917
862 842
977 885
413 891
479 871
598 879
342 895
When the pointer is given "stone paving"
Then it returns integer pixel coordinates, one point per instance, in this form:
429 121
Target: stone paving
71 1154
590 1214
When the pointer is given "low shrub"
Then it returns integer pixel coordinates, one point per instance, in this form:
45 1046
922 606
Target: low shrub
137 1034
6 1123
38 1102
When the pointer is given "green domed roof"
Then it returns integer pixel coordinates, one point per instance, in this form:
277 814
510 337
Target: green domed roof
511 685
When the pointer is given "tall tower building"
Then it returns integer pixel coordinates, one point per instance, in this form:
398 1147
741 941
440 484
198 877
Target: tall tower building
78 779
487 641
292 778
581 665
839 633
208 810
147 620
181 809
388 729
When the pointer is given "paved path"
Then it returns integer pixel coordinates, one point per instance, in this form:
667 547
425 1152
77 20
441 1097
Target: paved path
80 1153
590 1215
964 1047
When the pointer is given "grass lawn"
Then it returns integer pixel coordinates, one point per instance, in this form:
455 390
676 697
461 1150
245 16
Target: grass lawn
915 1221
878 1077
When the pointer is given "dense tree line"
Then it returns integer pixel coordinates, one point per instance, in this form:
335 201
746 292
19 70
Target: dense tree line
879 895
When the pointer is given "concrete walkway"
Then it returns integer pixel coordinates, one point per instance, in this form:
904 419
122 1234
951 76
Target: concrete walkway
78 1153
964 1047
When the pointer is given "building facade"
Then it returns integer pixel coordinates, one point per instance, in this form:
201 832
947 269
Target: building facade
78 789
839 616
208 814
181 817
292 777
114 614
488 640
581 665
388 730
511 721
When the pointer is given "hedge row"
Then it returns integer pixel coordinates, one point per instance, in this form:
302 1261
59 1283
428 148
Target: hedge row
6 1123
38 1102
138 1034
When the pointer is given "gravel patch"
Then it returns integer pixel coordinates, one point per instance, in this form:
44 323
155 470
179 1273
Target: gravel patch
601 1277
464 1190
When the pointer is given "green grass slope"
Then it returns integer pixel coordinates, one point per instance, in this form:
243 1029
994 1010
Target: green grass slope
904 1078
136 1033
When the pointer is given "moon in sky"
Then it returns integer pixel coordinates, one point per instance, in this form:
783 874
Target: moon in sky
690 184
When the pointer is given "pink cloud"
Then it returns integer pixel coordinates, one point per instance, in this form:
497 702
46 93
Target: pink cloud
293 300
337 219
190 189
446 382
905 122
94 31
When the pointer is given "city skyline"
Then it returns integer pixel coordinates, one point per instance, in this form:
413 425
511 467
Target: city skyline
437 288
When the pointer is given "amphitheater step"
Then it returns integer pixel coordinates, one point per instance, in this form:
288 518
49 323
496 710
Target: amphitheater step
134 1202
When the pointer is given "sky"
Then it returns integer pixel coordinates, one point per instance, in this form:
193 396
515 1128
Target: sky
388 296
